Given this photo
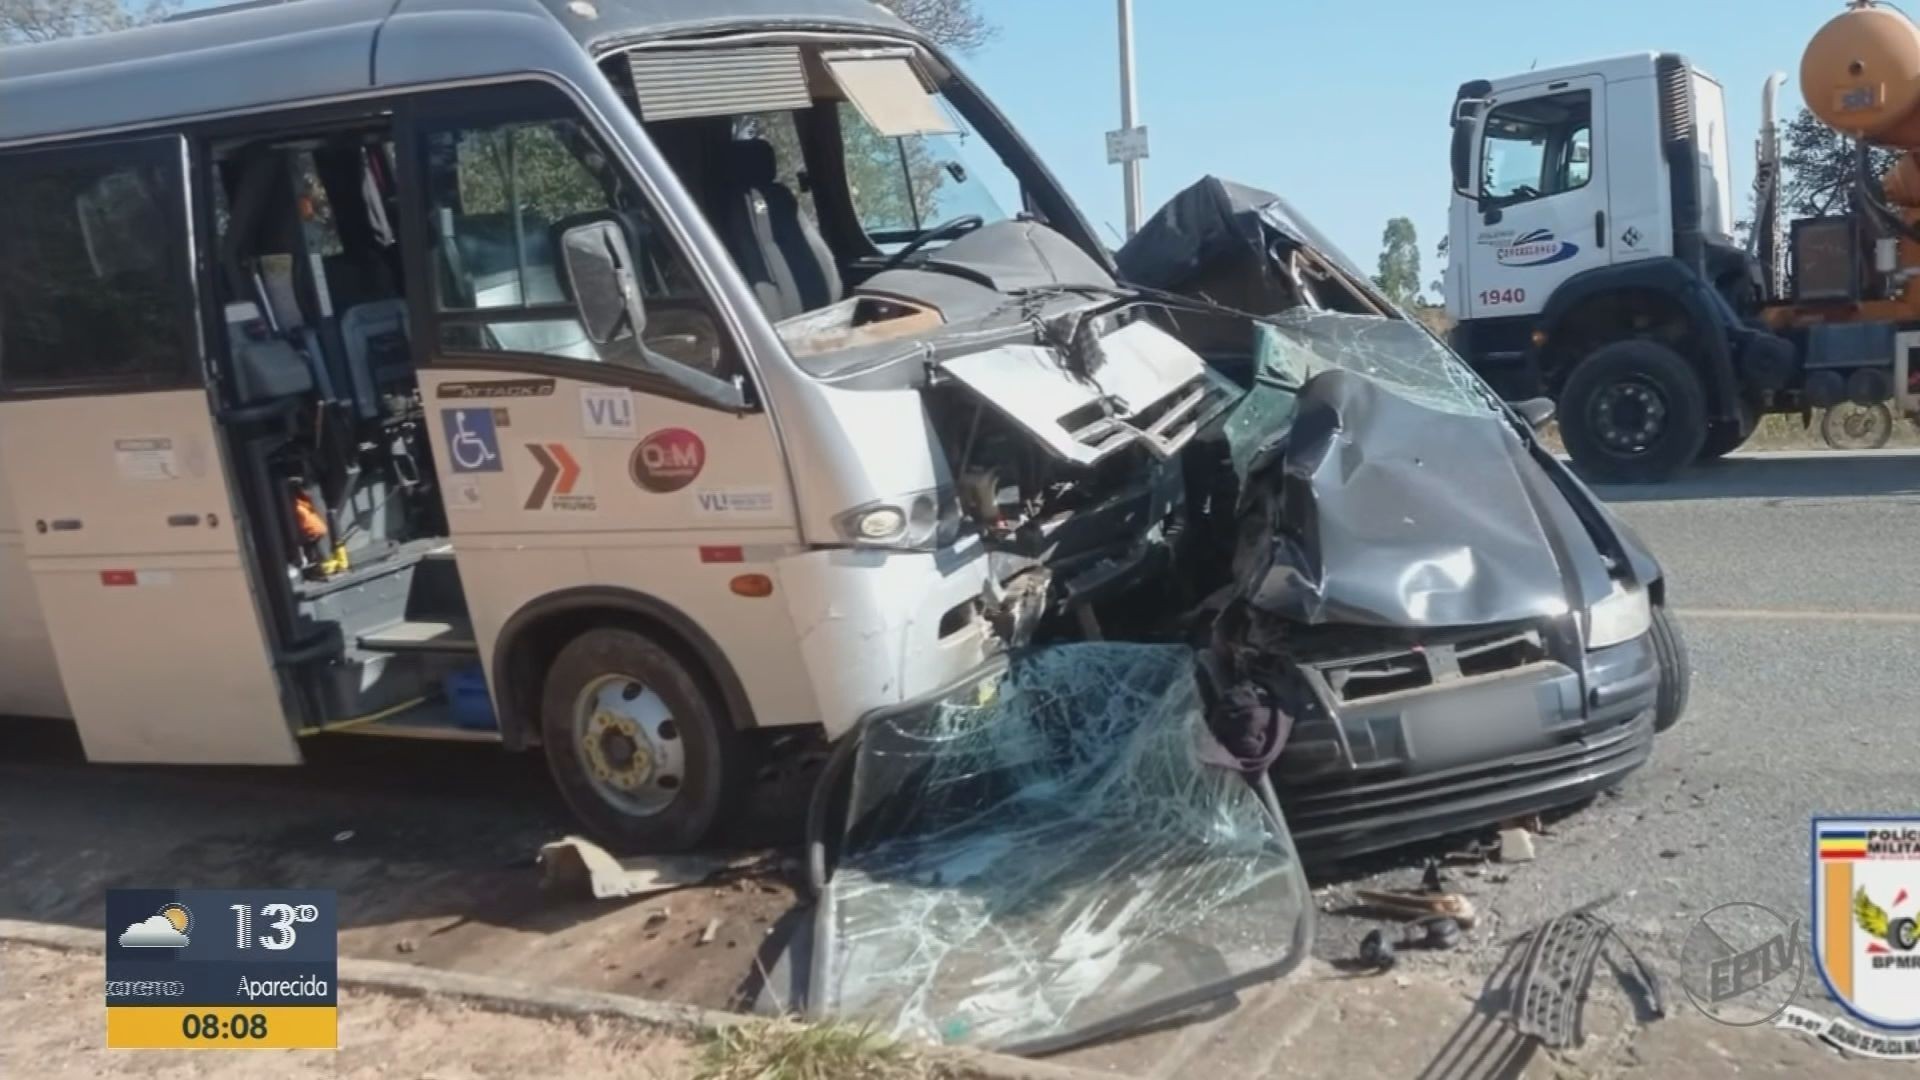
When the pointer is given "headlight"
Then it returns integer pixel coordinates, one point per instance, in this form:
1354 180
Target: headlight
922 521
1623 615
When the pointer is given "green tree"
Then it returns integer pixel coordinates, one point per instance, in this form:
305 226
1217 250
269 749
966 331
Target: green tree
1399 275
952 24
27 22
1818 166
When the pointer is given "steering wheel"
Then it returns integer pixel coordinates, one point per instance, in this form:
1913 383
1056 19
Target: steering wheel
951 228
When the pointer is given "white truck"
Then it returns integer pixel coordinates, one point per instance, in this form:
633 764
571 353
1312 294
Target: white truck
1592 260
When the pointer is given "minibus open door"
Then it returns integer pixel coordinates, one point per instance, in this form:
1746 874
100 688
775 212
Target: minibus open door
121 488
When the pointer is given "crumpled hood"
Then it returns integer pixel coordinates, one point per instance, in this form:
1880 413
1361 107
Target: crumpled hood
1378 511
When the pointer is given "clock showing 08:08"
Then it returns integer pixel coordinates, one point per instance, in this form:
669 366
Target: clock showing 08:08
230 968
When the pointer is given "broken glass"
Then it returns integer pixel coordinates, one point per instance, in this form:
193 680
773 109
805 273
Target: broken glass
1300 343
1040 857
1397 353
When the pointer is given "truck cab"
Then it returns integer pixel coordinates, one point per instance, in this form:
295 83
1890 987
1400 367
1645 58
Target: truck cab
1592 259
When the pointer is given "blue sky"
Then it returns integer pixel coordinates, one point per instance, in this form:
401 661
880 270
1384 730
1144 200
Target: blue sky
1340 105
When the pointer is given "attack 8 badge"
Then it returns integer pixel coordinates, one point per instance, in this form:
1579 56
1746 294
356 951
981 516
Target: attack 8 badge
1866 916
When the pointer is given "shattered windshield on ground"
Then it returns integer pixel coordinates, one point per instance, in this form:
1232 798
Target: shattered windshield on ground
1042 857
1397 353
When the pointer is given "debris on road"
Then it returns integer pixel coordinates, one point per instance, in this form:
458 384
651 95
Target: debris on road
1436 933
1557 970
1376 951
1440 933
1516 846
343 836
578 865
712 931
1417 905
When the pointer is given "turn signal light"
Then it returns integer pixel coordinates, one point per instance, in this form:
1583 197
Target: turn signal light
752 585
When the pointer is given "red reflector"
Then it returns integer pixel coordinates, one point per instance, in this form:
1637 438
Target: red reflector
722 555
756 586
112 578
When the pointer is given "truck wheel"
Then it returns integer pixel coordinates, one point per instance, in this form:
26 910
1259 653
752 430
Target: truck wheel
1676 676
1633 412
1725 437
640 751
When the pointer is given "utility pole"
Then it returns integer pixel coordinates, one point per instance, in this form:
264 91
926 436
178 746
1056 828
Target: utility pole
1131 145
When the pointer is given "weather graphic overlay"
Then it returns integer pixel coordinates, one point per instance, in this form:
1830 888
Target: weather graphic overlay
222 968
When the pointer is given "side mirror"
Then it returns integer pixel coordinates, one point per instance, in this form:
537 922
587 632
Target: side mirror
596 262
1537 412
1466 124
599 265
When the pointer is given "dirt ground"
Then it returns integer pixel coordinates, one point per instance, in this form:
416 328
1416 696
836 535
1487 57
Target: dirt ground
429 848
50 1009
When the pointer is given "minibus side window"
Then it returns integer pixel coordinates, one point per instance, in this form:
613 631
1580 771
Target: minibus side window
499 193
94 285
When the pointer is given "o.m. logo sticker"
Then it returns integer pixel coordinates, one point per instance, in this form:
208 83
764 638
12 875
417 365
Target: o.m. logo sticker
668 460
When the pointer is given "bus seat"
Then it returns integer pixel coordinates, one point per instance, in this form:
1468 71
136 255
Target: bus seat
376 338
771 239
268 369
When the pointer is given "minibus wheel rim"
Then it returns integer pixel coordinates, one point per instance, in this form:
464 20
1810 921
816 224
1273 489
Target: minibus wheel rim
629 745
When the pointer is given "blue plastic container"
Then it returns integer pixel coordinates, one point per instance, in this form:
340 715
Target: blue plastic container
467 698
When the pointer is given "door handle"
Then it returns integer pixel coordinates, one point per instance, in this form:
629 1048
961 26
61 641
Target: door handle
63 525
1599 228
183 521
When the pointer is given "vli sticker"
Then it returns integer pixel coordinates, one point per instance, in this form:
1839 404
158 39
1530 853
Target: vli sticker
607 413
734 502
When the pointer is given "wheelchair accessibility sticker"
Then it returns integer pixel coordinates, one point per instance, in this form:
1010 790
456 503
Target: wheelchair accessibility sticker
473 445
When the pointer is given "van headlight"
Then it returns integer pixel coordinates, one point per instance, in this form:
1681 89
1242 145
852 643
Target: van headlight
922 521
1624 614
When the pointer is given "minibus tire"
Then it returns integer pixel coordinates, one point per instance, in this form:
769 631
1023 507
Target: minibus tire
711 767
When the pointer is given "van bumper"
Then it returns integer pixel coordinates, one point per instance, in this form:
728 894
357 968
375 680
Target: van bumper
1380 781
877 627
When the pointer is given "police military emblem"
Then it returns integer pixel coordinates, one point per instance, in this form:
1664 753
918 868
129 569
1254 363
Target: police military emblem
1866 919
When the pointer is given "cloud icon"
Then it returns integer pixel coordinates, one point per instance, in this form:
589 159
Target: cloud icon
154 932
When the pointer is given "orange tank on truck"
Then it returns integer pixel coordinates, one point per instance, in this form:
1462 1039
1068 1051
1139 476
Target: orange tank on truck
1860 76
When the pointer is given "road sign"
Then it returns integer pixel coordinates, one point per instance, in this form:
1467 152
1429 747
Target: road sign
1127 144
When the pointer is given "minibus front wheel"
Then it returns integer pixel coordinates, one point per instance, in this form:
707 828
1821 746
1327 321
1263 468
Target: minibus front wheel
641 751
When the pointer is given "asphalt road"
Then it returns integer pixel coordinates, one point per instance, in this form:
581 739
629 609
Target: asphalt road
1790 573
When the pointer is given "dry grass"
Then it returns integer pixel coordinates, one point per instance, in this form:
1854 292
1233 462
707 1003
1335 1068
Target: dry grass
779 1050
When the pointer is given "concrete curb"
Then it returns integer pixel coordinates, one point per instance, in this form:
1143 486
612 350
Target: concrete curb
524 999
